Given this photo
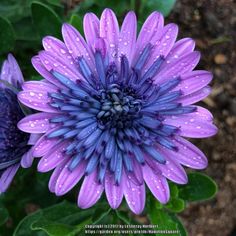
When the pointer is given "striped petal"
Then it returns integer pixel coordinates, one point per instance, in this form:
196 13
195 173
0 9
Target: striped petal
179 49
195 96
192 125
36 123
109 30
152 28
194 81
127 37
157 184
38 100
76 44
39 67
44 145
188 154
185 64
172 170
27 159
91 28
7 177
50 62
90 191
68 179
55 175
134 194
53 158
114 192
163 44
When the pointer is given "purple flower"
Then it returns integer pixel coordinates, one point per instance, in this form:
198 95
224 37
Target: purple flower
113 108
14 148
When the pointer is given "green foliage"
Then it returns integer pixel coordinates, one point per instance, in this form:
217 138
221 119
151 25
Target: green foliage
7 36
165 221
63 219
77 22
3 215
200 187
163 6
46 21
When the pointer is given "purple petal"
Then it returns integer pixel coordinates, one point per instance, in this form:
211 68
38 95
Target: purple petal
172 170
38 100
27 159
157 184
33 138
113 191
127 37
180 48
56 173
68 179
109 30
193 81
53 158
58 64
36 123
101 46
90 191
188 154
39 86
136 176
163 44
152 28
7 177
44 145
11 72
91 28
185 64
56 47
134 195
76 44
39 67
192 125
195 97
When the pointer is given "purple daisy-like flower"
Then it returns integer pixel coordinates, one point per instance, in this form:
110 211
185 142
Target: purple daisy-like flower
114 109
15 149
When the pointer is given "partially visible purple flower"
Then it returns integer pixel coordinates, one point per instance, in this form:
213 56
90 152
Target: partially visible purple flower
14 148
113 108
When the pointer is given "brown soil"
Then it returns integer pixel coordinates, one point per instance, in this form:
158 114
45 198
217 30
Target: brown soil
212 24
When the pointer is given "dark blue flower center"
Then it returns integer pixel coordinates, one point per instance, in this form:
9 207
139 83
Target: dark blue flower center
119 107
114 119
13 142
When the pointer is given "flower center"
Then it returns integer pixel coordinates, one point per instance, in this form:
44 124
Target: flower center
119 107
13 142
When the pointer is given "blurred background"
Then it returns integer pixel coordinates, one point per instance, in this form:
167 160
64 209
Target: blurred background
212 24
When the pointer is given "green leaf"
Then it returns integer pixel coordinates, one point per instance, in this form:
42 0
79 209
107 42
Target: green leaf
53 228
199 187
175 205
181 228
77 22
100 213
24 227
24 30
174 191
63 219
15 10
163 221
123 216
3 215
45 20
7 36
163 6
